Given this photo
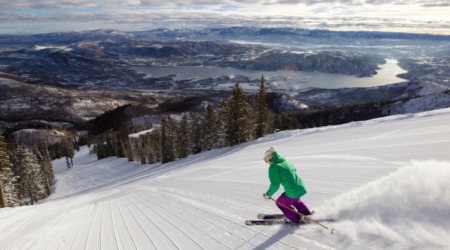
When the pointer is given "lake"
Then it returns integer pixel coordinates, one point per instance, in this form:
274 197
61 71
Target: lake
385 75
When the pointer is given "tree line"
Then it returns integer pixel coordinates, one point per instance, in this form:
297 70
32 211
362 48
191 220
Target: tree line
26 171
26 174
233 121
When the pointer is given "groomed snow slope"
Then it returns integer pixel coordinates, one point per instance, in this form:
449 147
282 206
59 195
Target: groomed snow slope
387 180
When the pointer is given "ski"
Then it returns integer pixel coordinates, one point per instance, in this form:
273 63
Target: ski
271 216
275 216
270 222
263 222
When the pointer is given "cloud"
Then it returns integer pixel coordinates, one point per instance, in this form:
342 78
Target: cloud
39 16
71 4
146 19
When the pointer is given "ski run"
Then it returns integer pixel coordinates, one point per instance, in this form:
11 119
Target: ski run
386 180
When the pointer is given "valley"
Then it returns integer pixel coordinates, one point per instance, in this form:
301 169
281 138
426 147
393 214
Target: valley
77 76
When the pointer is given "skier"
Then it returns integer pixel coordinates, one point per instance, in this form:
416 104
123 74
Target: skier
283 172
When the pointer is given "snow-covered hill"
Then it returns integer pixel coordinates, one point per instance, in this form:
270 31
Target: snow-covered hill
22 100
386 180
422 103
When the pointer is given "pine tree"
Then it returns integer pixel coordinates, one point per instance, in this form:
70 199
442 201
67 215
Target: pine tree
129 151
2 192
262 112
196 133
120 148
136 151
48 168
100 146
75 141
167 140
183 140
210 127
68 151
151 157
221 125
155 146
5 163
8 189
30 175
110 146
41 162
142 156
239 125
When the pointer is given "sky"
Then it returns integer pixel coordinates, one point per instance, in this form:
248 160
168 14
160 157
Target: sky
44 16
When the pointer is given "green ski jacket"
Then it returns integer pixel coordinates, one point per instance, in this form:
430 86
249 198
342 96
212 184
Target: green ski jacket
283 172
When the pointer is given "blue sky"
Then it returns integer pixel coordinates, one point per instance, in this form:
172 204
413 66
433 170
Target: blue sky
43 16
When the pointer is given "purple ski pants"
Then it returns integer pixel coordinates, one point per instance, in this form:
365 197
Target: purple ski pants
292 202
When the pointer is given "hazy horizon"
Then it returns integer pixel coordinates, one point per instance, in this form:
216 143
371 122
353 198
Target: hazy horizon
46 16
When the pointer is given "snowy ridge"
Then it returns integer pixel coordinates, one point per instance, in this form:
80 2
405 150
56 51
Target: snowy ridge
424 103
386 180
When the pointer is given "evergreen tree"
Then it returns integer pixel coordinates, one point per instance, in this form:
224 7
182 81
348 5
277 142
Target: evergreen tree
68 151
136 151
196 133
172 130
286 122
40 160
167 140
47 168
154 145
142 156
110 146
129 151
8 190
221 125
239 125
2 192
4 164
120 148
100 149
30 175
262 112
183 140
151 157
74 135
210 129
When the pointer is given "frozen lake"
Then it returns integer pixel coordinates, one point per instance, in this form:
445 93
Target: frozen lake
387 74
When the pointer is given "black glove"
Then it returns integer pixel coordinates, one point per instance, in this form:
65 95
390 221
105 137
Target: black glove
266 196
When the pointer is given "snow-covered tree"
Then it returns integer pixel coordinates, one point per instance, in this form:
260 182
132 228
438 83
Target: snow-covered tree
48 168
41 162
31 182
8 189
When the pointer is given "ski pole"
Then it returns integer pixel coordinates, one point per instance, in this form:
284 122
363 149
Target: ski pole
303 216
